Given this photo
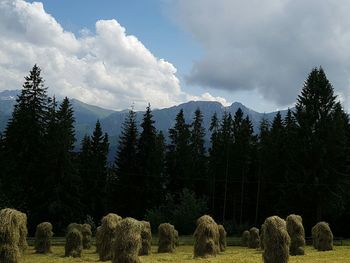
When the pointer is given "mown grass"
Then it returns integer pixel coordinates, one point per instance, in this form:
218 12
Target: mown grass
184 253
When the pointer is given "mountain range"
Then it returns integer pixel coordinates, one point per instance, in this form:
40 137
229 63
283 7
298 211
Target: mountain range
86 115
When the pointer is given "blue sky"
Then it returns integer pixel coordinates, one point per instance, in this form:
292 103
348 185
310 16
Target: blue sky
184 50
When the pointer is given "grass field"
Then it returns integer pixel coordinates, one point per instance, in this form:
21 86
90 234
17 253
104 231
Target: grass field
184 253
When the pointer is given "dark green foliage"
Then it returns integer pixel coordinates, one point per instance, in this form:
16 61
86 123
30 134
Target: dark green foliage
24 145
61 196
93 171
150 159
43 235
178 158
182 214
73 246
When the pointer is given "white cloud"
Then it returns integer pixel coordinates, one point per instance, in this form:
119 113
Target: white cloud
269 46
107 68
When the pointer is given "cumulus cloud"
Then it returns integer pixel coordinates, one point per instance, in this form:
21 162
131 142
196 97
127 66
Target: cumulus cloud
107 67
269 46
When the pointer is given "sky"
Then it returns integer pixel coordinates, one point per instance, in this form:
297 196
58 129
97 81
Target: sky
130 52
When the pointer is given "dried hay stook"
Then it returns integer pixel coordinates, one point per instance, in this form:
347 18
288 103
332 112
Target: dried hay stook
106 235
87 235
13 234
262 237
322 237
206 237
146 237
74 243
222 238
166 235
245 238
176 237
296 232
276 241
98 238
127 242
43 235
254 238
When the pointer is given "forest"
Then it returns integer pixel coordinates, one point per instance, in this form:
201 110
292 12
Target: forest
297 164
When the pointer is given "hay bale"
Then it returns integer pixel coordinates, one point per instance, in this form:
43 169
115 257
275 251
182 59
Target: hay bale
254 238
74 243
127 242
43 234
176 237
262 237
76 226
245 238
206 238
146 237
106 236
314 236
323 236
222 238
166 235
13 233
98 238
276 241
87 234
296 232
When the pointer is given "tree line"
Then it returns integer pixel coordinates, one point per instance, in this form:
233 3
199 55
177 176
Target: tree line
299 163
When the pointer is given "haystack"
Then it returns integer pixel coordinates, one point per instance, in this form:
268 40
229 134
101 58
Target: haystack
13 233
166 242
127 242
222 238
98 238
146 237
87 234
176 237
106 236
262 237
276 241
245 238
206 238
296 232
76 226
254 238
74 243
322 237
43 235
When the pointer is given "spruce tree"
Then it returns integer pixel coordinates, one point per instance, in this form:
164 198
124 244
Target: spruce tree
126 169
61 200
199 158
93 171
150 158
322 153
24 148
178 162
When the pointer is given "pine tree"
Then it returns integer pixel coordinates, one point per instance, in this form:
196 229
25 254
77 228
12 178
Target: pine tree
199 158
178 162
61 200
322 153
93 171
150 158
126 169
24 144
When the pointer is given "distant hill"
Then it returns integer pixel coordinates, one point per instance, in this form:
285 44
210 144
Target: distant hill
86 115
